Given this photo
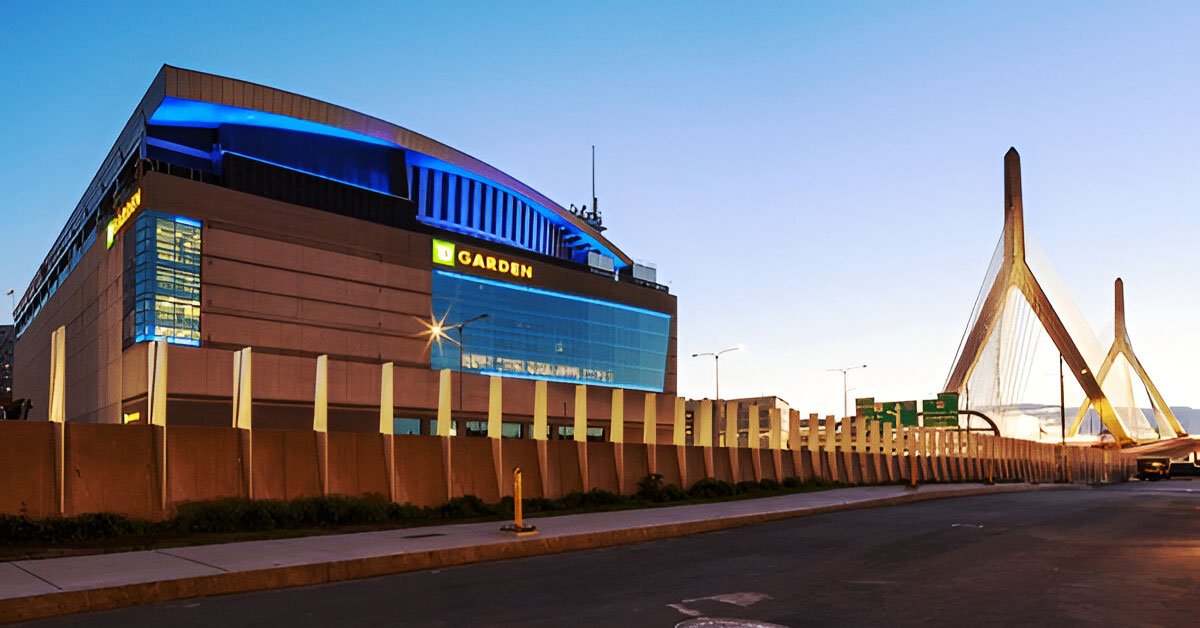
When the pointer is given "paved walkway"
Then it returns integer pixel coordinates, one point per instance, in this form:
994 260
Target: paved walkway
56 586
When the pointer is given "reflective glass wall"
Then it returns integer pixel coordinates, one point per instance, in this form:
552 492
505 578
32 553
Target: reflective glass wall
539 334
161 280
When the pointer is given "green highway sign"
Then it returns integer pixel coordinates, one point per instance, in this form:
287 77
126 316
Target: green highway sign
886 411
941 412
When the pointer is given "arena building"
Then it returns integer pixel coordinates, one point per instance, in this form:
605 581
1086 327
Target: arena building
229 214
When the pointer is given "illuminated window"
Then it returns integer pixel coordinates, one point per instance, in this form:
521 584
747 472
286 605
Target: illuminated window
538 334
161 282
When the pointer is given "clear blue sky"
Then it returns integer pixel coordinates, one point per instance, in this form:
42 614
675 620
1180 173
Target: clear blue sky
819 181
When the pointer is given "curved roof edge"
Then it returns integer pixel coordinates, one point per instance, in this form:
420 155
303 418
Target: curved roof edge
173 82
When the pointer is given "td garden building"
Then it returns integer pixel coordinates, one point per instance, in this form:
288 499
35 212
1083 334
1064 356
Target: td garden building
231 215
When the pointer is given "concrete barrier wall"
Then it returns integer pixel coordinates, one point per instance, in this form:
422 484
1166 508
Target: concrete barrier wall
27 468
357 464
111 468
204 463
120 468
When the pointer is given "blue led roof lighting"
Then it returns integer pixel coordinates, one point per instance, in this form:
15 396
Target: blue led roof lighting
194 113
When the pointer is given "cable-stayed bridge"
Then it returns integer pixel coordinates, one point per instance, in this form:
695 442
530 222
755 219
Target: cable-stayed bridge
1020 305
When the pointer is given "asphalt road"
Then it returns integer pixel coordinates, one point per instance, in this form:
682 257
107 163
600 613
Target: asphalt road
1117 556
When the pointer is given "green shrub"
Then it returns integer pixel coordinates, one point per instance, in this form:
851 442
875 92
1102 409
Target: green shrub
539 504
749 486
87 527
709 488
673 493
769 485
650 488
467 507
791 482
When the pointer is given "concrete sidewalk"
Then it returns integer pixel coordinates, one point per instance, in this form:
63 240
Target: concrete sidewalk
58 586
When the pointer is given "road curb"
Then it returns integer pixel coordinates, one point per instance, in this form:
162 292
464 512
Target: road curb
71 602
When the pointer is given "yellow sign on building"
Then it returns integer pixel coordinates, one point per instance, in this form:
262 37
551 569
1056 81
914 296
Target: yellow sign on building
449 254
122 216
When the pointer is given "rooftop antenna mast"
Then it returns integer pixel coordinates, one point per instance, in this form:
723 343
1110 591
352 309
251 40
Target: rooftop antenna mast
593 217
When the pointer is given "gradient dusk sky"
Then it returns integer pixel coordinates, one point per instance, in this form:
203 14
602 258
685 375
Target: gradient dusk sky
819 181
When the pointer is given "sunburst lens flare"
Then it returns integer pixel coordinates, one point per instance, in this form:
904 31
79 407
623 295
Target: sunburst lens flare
435 330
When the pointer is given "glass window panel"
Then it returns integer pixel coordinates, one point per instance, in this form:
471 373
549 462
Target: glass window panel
162 280
533 333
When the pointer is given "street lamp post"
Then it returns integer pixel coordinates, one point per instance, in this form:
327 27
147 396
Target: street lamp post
441 332
845 387
1062 417
716 356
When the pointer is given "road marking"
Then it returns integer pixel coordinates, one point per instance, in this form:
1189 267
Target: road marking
737 599
742 599
685 610
725 622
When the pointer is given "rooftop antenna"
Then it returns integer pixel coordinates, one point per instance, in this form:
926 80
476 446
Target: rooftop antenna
594 218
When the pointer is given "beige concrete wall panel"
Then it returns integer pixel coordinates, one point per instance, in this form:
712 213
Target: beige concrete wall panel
419 470
563 463
745 465
473 469
111 468
695 466
766 460
523 453
285 462
27 468
722 468
602 470
203 462
637 466
356 464
667 458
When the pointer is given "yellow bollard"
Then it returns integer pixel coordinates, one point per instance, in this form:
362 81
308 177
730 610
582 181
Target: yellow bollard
518 525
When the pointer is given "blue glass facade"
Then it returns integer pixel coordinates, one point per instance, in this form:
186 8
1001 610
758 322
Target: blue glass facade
161 279
535 333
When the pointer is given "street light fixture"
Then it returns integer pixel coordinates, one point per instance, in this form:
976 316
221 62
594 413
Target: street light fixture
845 387
716 356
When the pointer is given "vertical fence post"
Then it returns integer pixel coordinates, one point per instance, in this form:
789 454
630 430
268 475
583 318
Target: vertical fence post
831 448
812 443
650 430
387 424
618 436
58 415
495 430
775 440
796 445
753 430
846 445
156 410
680 440
321 419
579 435
444 418
704 428
243 419
731 438
874 440
888 433
541 433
